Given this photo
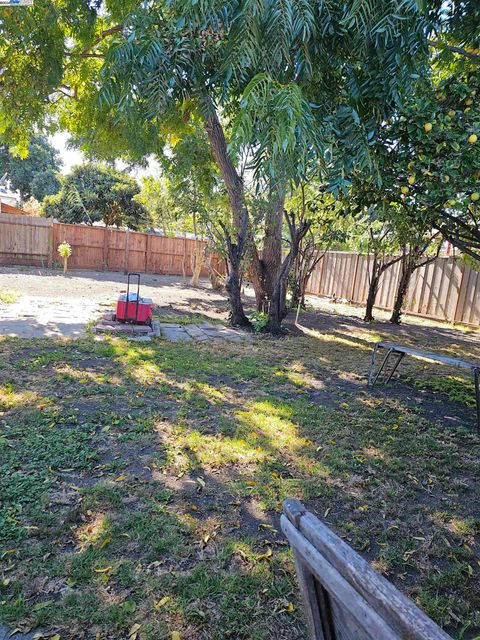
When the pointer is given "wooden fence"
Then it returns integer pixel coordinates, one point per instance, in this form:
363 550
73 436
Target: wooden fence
445 289
30 240
25 239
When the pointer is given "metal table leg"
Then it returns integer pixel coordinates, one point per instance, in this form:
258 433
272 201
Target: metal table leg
382 366
395 366
372 365
476 373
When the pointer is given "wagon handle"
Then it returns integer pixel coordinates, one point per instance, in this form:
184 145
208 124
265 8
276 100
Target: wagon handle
137 275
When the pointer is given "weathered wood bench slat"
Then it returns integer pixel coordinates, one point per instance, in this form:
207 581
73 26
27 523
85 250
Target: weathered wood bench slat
361 615
363 604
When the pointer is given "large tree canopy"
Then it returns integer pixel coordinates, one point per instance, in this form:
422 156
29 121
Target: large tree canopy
34 175
96 193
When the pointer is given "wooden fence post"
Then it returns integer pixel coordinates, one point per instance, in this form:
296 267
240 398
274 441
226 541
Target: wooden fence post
354 280
106 246
147 252
457 304
51 245
127 241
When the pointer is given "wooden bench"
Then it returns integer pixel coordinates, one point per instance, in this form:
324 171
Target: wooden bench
344 598
398 351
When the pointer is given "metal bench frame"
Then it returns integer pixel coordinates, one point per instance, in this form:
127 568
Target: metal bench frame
399 351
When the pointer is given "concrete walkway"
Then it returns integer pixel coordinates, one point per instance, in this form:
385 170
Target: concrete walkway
43 317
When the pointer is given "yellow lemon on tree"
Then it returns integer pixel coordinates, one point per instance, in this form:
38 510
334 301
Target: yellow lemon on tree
475 196
411 179
452 113
468 102
428 126
473 138
410 166
405 191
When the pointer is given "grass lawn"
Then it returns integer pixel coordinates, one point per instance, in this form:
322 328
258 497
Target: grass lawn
141 484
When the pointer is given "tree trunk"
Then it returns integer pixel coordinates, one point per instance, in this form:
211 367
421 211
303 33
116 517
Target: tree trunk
408 266
197 256
372 291
264 270
215 277
278 307
235 189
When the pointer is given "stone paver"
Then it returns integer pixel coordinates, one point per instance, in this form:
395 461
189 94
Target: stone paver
172 334
200 332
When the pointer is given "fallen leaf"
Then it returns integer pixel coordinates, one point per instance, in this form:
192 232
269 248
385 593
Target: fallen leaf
290 607
104 570
105 542
42 605
265 556
161 602
134 631
55 637
120 478
263 525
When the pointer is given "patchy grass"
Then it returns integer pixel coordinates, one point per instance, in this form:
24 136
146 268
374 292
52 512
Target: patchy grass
184 318
455 387
8 297
142 484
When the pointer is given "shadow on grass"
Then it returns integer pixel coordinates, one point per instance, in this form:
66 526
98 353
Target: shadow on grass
163 468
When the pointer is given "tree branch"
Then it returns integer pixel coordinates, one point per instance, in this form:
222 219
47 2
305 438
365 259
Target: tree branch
86 53
436 44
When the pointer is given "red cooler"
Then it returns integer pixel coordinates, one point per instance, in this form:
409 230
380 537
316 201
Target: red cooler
131 307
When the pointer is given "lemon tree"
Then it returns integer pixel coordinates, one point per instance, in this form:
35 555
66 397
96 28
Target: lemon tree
430 158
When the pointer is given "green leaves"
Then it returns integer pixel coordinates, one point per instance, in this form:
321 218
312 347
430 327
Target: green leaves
93 192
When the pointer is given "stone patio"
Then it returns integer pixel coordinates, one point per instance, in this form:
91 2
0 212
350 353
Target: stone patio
201 331
171 331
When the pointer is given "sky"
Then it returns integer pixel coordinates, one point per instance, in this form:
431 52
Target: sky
72 157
